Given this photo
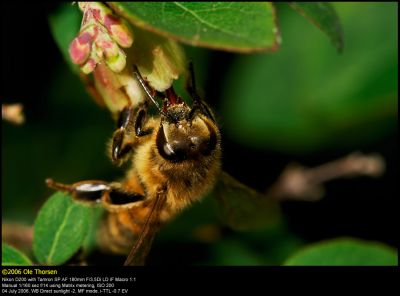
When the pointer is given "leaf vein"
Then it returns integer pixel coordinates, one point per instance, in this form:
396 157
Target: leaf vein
205 22
57 236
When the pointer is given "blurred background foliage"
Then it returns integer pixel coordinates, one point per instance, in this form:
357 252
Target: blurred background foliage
304 103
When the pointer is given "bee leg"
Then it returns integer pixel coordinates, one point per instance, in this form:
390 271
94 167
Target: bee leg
127 122
88 191
118 197
139 122
97 191
198 103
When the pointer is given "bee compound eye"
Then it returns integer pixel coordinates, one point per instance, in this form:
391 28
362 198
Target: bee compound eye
174 151
208 145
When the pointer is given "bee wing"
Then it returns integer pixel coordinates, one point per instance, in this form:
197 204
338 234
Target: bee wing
243 208
141 248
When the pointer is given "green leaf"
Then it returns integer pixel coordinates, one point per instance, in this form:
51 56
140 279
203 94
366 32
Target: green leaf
243 208
11 256
231 26
60 229
345 251
65 24
96 215
324 16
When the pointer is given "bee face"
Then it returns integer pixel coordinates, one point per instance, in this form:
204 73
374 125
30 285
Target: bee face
182 137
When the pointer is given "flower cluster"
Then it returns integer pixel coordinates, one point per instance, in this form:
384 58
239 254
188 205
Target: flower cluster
105 47
101 37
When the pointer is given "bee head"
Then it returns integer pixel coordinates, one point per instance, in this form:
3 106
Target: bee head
185 133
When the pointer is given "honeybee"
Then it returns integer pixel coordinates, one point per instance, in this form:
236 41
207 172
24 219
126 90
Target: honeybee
176 159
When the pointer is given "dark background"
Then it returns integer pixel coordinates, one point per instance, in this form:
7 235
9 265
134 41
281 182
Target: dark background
65 133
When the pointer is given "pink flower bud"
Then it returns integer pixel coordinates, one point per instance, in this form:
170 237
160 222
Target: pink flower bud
119 31
80 48
109 48
89 66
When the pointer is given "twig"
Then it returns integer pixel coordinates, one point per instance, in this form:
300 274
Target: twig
17 235
301 183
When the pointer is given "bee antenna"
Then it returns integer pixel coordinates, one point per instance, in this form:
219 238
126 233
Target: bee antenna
146 89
